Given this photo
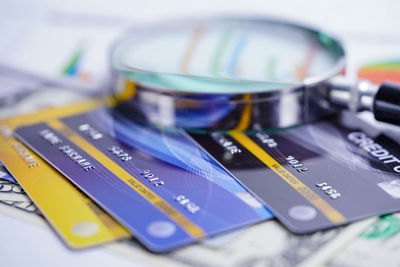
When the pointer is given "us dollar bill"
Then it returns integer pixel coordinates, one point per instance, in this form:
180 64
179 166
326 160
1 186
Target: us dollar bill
27 206
14 202
11 192
13 195
379 245
264 244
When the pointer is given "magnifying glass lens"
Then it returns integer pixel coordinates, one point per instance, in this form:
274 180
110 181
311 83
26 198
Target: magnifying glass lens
226 56
225 74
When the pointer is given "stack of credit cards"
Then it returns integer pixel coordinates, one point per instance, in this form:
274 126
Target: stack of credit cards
104 176
118 185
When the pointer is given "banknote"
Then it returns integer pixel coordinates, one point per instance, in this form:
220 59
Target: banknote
265 244
27 206
13 195
10 191
379 245
23 211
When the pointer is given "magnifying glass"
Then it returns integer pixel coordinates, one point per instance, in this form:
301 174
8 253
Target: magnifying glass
239 74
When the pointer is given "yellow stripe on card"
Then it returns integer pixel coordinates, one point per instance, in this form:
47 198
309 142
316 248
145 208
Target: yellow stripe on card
245 119
74 216
331 213
131 181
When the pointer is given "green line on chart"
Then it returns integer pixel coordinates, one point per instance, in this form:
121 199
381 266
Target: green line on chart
220 50
271 65
72 63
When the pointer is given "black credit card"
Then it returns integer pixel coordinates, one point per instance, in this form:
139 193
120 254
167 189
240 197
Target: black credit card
315 176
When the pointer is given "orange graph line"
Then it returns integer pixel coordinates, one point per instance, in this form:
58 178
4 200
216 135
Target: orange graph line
187 56
303 69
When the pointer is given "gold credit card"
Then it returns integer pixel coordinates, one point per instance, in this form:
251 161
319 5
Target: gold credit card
75 217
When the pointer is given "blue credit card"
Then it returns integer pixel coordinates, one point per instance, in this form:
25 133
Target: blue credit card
160 186
4 174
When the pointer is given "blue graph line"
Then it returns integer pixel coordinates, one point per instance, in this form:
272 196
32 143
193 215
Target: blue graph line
236 54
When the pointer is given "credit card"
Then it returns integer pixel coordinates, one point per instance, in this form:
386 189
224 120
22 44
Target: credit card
75 217
163 203
178 149
5 174
316 176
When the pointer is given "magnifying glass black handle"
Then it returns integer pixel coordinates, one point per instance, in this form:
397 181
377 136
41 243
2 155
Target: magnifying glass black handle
386 106
383 100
